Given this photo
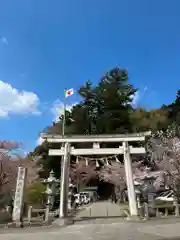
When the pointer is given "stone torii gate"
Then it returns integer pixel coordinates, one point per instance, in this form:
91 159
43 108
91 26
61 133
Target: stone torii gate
68 149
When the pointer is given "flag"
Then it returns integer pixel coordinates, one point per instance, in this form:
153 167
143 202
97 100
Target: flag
69 92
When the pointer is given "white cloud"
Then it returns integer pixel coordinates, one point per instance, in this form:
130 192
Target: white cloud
139 95
39 141
17 102
3 40
136 98
58 109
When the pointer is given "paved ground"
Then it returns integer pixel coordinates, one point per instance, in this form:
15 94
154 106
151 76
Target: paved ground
109 230
101 229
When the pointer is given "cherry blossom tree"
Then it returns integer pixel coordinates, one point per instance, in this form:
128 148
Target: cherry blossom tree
6 171
6 168
7 145
114 172
9 164
164 151
81 174
31 165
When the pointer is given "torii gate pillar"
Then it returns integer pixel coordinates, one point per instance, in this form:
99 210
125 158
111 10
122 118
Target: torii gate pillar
63 208
129 181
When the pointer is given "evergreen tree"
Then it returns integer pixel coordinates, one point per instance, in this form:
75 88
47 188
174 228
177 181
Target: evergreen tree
174 110
105 108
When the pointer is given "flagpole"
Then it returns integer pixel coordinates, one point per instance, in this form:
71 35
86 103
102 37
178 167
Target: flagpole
64 116
63 208
63 185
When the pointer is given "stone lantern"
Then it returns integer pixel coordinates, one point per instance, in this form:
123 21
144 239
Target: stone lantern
148 193
51 192
148 188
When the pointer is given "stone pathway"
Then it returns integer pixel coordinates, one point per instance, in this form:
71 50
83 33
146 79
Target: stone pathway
101 209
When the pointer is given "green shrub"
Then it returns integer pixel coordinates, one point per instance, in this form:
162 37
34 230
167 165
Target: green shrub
35 194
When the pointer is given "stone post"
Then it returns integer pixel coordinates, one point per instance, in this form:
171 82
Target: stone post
70 193
146 210
129 180
63 213
47 210
19 195
29 214
176 206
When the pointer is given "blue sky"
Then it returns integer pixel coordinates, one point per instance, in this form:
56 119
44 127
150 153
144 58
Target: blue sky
46 46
